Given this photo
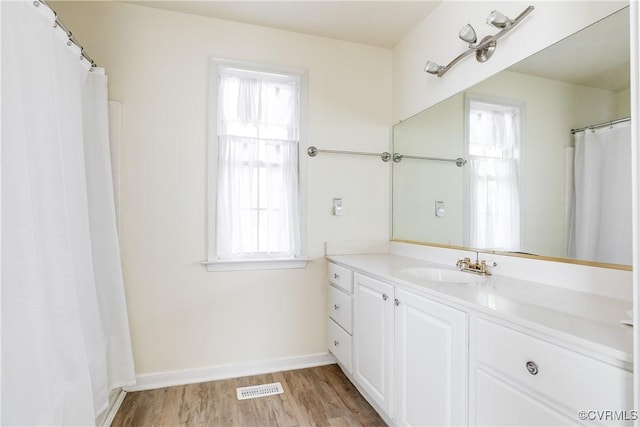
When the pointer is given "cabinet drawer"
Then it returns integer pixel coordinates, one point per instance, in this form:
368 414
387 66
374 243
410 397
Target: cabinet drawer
340 344
572 379
341 277
340 308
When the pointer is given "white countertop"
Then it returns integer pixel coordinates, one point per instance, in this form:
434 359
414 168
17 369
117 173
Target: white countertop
582 319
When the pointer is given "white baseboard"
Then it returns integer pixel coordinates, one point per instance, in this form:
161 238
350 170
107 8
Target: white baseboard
113 409
222 372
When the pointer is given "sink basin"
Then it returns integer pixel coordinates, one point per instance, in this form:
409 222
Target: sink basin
442 275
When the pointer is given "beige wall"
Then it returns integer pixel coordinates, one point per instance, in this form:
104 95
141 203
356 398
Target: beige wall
181 316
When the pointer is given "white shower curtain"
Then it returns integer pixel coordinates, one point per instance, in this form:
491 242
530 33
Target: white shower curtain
601 213
65 335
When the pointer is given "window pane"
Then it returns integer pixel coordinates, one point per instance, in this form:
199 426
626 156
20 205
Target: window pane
257 200
262 196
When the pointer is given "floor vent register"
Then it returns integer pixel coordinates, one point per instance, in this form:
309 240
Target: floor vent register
259 391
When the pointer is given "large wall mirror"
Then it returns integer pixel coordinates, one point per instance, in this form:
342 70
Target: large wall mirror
542 179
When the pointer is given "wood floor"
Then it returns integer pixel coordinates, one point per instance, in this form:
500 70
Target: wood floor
320 396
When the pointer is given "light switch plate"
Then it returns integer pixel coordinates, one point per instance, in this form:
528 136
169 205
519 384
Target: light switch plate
337 209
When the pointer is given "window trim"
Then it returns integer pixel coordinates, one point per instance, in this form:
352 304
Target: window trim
266 263
257 264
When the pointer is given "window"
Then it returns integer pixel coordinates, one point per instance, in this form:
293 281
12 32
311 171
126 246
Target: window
255 209
494 145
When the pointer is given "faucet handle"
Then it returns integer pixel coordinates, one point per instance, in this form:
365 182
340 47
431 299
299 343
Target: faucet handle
463 262
484 266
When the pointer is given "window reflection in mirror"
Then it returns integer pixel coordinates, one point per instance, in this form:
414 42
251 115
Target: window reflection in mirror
494 141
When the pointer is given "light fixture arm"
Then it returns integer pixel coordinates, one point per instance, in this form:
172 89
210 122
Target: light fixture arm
484 49
457 59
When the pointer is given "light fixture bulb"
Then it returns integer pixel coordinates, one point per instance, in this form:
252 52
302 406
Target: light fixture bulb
468 34
431 67
498 20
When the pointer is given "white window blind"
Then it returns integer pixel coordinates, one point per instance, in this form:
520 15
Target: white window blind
257 188
494 138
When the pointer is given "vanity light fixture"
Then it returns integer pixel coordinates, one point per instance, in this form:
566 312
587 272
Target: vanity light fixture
485 48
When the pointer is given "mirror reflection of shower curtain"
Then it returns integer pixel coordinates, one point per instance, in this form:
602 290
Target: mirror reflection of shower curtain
600 226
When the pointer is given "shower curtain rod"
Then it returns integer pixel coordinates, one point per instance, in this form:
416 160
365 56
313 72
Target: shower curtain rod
60 24
601 125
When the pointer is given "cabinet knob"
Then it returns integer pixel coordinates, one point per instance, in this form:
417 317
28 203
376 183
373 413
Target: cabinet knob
336 276
385 297
396 302
336 306
335 343
532 367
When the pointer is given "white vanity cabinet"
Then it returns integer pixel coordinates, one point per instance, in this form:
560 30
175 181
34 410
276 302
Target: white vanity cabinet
519 379
431 353
431 361
409 354
373 340
340 308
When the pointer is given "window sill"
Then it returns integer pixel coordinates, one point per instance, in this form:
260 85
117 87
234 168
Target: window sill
256 264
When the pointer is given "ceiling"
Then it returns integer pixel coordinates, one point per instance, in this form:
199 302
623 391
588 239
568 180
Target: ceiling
375 23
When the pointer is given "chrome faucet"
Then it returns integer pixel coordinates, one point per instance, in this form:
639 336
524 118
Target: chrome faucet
478 267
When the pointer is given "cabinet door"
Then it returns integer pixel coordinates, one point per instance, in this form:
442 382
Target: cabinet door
431 362
373 340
